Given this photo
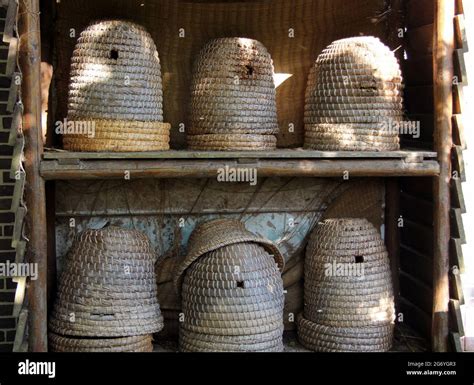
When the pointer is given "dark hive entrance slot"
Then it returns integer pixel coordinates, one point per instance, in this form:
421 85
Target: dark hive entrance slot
249 70
241 284
359 259
114 54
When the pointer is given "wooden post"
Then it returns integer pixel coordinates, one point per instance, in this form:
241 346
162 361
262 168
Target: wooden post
443 49
392 232
30 62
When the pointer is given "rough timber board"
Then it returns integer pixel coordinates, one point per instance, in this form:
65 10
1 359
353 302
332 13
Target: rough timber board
456 257
209 168
456 317
316 23
281 153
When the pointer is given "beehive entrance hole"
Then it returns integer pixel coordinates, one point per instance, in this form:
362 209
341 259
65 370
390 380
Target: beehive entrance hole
102 315
114 54
359 259
241 284
249 69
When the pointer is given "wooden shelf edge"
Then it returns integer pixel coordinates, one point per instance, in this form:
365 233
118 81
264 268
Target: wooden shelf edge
297 153
180 168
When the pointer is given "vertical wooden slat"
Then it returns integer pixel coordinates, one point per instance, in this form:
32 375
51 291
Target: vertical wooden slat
443 50
51 229
392 231
30 62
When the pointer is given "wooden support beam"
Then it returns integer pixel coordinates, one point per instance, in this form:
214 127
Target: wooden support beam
209 168
392 231
30 61
443 49
51 227
280 153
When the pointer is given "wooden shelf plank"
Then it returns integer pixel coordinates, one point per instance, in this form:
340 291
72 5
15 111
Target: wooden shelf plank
208 168
275 154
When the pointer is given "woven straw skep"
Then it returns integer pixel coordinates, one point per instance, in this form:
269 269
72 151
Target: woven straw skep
354 86
348 294
116 84
232 93
231 291
107 287
136 344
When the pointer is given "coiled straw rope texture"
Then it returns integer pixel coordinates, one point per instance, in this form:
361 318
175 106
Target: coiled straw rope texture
107 287
354 97
116 85
233 103
231 290
348 294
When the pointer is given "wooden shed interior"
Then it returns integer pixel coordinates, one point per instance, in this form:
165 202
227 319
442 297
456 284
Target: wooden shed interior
397 191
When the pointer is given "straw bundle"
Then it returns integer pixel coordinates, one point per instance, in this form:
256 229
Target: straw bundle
59 343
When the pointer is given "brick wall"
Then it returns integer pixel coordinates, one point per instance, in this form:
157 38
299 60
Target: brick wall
7 219
7 188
